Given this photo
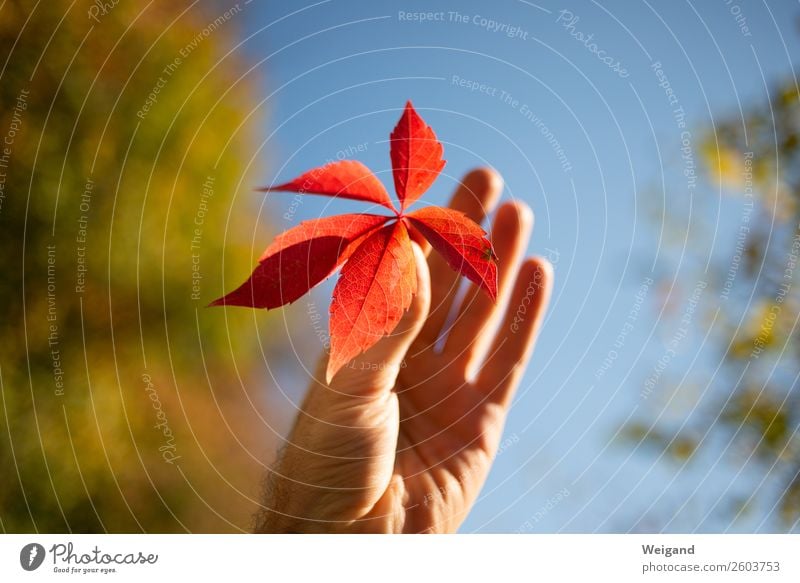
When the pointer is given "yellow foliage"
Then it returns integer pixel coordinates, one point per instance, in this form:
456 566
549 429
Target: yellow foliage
111 199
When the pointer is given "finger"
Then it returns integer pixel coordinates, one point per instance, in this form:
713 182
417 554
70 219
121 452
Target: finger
476 197
514 342
470 335
375 370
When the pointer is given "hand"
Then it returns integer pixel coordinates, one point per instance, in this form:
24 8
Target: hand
404 436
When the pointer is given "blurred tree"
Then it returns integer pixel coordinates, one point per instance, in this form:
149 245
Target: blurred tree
124 133
755 309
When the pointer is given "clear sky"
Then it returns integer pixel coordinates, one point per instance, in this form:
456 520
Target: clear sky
580 130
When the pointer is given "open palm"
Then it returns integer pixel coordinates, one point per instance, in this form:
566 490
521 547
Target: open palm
402 439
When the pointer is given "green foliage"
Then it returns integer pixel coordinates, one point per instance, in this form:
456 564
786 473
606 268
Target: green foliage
755 391
110 363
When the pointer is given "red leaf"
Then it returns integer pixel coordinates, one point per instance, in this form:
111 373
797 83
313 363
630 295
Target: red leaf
462 243
416 156
374 290
349 227
299 259
344 179
379 276
282 278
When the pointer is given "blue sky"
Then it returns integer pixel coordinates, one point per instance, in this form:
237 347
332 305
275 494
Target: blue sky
579 140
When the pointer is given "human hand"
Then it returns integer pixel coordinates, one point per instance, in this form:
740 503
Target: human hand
404 436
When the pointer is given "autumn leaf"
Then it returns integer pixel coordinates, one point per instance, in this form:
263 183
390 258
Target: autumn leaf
378 277
416 157
373 291
344 179
461 242
299 259
349 227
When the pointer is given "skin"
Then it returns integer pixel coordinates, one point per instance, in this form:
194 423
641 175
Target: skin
402 439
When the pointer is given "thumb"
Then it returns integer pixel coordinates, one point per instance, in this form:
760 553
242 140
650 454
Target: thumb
376 369
341 452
